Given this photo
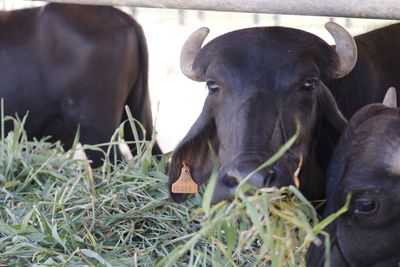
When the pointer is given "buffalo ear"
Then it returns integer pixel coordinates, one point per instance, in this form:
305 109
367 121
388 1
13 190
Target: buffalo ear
195 150
390 99
330 124
329 109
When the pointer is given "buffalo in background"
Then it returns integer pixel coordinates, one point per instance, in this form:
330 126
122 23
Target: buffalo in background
365 164
71 65
262 82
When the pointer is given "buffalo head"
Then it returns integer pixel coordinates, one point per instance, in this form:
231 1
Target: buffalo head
365 164
262 82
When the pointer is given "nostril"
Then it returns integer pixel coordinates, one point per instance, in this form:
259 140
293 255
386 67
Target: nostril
230 181
270 177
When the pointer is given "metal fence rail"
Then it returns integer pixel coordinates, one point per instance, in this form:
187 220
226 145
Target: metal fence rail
379 9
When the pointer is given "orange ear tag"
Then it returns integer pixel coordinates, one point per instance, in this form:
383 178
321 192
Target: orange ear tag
185 183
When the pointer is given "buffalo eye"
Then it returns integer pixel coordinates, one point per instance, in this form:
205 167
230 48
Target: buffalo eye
365 206
212 87
309 84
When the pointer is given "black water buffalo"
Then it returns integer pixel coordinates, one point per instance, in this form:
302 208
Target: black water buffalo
375 71
71 65
261 81
366 164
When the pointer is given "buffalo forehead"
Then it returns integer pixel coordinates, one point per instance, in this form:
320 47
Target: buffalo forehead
256 48
392 159
379 136
374 150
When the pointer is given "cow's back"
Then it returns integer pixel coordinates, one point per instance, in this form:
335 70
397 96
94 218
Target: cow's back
90 20
97 45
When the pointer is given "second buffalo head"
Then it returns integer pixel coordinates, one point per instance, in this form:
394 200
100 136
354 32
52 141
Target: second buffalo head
263 82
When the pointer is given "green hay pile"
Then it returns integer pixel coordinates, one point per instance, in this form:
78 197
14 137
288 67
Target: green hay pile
57 211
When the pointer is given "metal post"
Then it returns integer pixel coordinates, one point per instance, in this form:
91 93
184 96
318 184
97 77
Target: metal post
181 17
200 15
277 20
256 18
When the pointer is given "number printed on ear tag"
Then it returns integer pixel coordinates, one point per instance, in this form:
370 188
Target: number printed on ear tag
185 183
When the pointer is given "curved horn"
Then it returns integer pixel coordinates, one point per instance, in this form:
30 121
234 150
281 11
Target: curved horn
189 53
346 49
390 99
